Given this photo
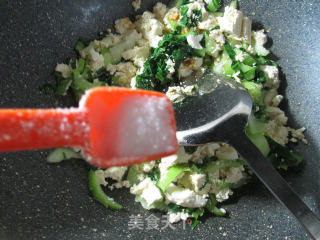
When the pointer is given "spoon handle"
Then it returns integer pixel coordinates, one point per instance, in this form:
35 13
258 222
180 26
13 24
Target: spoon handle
277 185
27 129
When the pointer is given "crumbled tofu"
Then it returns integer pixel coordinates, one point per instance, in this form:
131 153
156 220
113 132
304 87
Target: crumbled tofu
123 71
196 6
136 4
235 175
170 66
272 75
148 190
227 152
277 132
101 177
150 27
277 100
176 94
240 57
123 25
185 197
197 181
108 41
208 22
166 162
137 54
204 151
148 166
189 65
297 134
218 38
172 16
276 114
221 194
231 22
269 96
160 10
194 41
260 37
96 59
115 173
64 69
176 217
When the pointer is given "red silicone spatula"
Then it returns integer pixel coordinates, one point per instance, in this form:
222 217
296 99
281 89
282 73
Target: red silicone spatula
112 126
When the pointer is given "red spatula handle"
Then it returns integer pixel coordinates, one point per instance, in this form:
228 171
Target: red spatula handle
26 129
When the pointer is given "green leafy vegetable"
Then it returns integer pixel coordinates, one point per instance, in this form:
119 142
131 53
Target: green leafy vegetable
282 156
214 5
211 206
172 174
61 154
155 73
98 193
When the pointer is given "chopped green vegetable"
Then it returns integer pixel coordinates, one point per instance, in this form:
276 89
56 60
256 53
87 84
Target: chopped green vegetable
223 164
155 73
61 154
234 4
132 176
98 193
172 175
211 206
214 5
253 89
282 156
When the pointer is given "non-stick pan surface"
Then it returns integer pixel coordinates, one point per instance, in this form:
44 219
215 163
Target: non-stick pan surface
44 201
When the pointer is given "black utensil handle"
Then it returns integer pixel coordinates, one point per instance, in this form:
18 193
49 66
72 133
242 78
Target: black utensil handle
277 185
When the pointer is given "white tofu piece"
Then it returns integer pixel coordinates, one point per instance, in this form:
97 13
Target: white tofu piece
123 25
276 114
277 132
196 6
189 65
148 190
64 69
124 71
297 134
277 100
231 22
150 28
148 166
269 96
246 29
136 4
171 69
218 38
197 180
160 10
185 197
272 75
208 21
176 217
194 41
101 178
138 55
235 175
108 41
96 59
151 194
221 194
227 152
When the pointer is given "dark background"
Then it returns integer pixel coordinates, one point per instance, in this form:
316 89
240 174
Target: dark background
43 201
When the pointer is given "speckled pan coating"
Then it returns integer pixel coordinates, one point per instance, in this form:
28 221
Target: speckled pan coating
42 201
